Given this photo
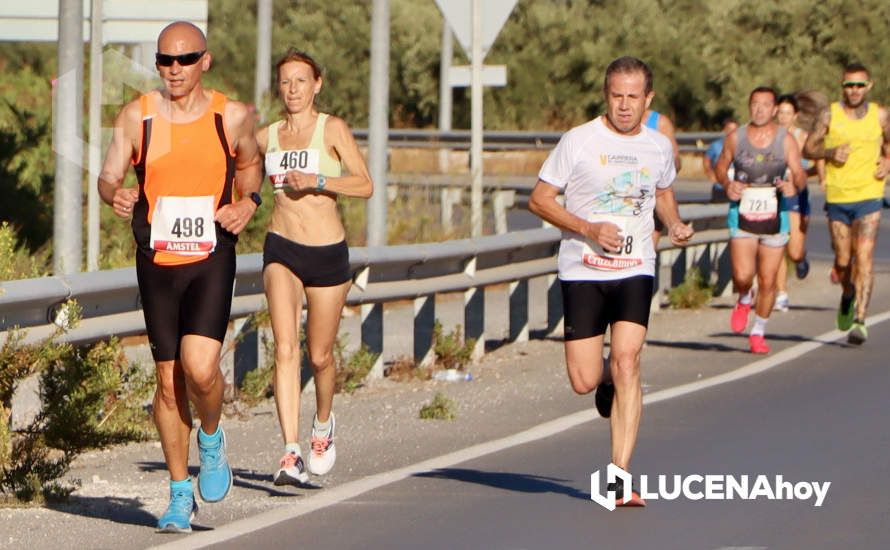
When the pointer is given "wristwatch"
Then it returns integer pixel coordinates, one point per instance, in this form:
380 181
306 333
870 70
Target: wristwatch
321 181
256 198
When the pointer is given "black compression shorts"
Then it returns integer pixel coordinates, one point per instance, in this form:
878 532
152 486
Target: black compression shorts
193 298
326 265
591 306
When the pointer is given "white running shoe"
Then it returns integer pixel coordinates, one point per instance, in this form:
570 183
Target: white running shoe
782 303
323 454
292 471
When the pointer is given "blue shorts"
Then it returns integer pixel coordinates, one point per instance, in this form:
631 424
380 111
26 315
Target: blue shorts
802 204
848 212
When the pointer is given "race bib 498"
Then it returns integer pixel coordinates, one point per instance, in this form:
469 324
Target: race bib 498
184 225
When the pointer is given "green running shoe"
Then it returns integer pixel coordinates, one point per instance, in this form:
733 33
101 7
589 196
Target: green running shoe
858 334
845 318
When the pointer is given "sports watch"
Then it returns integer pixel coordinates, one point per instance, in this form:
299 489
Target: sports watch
256 198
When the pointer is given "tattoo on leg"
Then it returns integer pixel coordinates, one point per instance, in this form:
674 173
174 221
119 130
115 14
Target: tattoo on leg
842 244
867 226
865 233
864 283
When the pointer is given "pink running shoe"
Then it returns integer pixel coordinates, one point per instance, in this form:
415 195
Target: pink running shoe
758 344
739 319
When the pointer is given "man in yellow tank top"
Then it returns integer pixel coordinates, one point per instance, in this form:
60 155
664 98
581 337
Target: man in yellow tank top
853 136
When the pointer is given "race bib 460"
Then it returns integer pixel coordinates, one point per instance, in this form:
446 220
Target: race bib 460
279 163
184 225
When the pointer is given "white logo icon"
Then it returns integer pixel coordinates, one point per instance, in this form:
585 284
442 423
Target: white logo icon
613 474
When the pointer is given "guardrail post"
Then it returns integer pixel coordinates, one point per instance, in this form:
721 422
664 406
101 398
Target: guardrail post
554 305
502 200
424 319
450 196
678 267
372 335
723 284
663 260
26 404
518 311
474 313
704 261
246 353
227 358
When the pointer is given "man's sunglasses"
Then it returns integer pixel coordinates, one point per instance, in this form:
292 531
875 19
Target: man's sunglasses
854 84
166 60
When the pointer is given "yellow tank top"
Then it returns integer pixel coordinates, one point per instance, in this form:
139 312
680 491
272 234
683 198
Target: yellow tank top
854 180
327 165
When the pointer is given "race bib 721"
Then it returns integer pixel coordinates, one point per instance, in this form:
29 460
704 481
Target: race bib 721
759 203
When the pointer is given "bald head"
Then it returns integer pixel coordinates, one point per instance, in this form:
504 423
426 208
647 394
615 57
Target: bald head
181 37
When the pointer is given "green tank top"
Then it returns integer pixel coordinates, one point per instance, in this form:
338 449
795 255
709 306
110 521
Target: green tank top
328 166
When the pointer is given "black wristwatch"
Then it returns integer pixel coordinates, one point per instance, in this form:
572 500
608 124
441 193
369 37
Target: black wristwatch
256 198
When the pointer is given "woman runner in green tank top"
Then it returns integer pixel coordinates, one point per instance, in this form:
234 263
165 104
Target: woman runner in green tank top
305 253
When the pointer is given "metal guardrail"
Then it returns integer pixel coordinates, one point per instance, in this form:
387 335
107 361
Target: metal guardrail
111 305
497 140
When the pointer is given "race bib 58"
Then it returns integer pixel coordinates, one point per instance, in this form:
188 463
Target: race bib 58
630 228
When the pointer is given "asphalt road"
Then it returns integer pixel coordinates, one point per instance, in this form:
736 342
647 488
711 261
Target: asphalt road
820 417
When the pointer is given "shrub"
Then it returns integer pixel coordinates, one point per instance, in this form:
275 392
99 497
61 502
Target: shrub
16 261
440 408
90 397
351 371
450 349
692 293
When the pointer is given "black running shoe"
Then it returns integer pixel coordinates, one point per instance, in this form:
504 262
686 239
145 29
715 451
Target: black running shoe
605 394
803 268
635 498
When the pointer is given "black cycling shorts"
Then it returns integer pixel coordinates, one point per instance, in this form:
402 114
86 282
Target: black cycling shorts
591 306
326 265
193 298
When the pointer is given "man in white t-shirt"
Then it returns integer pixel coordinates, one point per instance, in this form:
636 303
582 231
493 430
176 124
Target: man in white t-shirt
615 173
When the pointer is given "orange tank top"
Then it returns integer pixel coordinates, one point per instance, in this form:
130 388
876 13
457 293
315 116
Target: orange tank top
191 159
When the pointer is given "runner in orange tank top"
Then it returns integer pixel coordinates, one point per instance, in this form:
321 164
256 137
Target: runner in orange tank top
196 160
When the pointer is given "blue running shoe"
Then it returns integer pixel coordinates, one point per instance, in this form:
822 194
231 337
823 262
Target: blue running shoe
182 509
215 477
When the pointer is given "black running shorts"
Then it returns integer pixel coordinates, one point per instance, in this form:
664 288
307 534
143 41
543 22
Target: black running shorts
193 298
326 265
591 306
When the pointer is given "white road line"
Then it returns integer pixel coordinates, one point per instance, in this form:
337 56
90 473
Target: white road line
352 489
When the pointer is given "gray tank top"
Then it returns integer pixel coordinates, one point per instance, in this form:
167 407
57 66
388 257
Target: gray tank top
759 166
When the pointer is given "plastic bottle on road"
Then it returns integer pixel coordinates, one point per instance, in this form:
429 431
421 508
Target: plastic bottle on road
452 375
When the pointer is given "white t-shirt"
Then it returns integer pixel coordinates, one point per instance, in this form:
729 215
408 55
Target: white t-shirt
611 177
